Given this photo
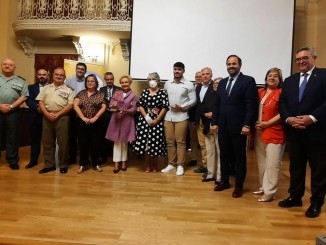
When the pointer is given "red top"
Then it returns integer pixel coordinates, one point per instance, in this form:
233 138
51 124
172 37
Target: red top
274 134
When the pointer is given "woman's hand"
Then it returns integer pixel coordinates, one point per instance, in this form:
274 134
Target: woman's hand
262 125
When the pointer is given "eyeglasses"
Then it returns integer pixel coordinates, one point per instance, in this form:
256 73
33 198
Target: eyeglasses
304 58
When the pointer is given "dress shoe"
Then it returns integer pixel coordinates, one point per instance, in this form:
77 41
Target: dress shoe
217 182
200 170
116 170
30 165
97 168
192 163
63 170
237 192
266 198
81 170
290 202
259 192
148 170
124 168
313 211
222 186
46 170
14 166
208 179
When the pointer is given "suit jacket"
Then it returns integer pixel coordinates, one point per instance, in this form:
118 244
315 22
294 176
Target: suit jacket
313 103
207 105
33 90
237 109
107 114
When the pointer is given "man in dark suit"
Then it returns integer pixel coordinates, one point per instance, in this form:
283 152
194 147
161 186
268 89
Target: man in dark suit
108 90
233 118
303 110
206 101
35 116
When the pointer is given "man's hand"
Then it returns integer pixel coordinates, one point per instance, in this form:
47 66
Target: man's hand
176 108
245 130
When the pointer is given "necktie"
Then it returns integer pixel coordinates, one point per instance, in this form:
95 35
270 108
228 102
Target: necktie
109 92
303 85
228 88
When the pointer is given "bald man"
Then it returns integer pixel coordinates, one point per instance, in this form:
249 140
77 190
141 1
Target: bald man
13 93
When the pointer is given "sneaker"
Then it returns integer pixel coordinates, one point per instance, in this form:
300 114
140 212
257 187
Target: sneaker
168 168
180 170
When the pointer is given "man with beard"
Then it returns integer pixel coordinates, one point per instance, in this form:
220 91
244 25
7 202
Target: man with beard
108 90
13 93
35 116
232 119
182 97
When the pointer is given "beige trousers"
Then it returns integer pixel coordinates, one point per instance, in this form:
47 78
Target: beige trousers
269 159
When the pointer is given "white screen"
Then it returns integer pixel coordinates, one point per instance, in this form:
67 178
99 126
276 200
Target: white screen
203 33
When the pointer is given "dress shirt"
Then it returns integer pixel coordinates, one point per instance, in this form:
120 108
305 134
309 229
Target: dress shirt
180 93
203 91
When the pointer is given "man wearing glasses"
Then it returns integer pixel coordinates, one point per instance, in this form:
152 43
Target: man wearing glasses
303 110
77 83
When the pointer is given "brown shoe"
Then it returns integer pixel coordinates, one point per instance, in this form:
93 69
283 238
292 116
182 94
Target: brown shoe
237 192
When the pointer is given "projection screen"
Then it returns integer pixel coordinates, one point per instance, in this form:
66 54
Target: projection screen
202 33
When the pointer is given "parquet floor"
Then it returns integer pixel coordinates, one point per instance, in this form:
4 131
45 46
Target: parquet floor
135 208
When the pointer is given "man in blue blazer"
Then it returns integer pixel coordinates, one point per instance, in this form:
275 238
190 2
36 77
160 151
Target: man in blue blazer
234 116
35 116
303 110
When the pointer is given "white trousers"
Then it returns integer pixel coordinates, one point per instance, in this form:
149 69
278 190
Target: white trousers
269 159
213 157
120 151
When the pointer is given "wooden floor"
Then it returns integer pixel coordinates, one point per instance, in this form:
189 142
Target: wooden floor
135 208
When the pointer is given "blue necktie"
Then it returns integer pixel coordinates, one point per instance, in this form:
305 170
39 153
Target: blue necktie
303 85
228 88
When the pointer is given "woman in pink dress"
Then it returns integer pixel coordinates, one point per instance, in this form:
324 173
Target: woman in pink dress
121 129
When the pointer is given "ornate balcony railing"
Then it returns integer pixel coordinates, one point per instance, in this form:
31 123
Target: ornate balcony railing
113 10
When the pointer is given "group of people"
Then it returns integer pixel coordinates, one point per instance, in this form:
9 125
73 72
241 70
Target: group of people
220 114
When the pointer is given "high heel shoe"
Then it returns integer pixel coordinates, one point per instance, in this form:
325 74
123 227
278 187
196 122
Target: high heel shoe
148 170
266 198
259 192
98 168
81 169
124 168
116 168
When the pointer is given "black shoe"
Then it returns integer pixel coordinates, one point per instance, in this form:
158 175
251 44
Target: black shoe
14 166
30 165
222 186
290 202
200 170
237 192
46 170
63 170
313 211
208 179
192 163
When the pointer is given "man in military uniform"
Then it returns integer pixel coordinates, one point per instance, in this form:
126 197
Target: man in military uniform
56 100
13 93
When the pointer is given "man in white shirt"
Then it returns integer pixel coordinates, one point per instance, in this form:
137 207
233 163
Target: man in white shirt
182 97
